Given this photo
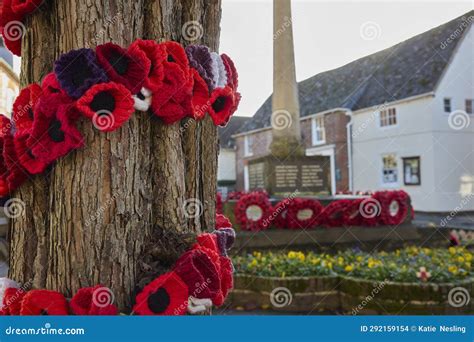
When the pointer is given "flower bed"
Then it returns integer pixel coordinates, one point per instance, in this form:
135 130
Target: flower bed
410 280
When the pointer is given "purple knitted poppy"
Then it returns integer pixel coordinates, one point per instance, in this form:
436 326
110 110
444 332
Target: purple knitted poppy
77 71
225 239
200 59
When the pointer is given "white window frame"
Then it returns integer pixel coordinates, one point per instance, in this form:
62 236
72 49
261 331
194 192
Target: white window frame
382 178
317 126
472 105
248 146
450 105
384 121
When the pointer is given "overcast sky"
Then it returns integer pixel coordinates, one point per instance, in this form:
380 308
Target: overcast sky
326 35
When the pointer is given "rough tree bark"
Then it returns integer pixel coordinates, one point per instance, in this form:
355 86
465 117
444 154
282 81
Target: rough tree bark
112 212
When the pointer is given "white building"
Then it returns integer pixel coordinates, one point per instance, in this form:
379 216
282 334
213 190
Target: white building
421 137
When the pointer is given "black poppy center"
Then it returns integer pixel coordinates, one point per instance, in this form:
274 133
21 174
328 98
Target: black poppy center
55 132
103 102
158 301
141 96
171 59
30 154
79 73
119 62
44 312
30 113
219 104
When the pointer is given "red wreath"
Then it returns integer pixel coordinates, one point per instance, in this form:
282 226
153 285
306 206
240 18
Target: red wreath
333 213
386 199
352 216
280 212
235 195
219 203
254 198
293 222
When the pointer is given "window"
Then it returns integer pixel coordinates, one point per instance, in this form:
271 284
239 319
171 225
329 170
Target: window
390 169
388 117
469 106
411 171
447 105
318 134
248 146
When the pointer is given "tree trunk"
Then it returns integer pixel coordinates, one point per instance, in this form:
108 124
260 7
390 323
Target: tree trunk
114 212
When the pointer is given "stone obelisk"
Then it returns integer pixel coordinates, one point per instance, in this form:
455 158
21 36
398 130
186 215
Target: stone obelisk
285 105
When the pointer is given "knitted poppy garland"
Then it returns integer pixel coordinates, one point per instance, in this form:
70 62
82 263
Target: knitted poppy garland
200 278
106 86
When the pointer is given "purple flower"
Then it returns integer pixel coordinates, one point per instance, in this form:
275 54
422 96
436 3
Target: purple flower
77 71
200 59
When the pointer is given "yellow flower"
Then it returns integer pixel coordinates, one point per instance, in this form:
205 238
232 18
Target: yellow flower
315 261
453 269
468 256
257 254
427 251
253 263
460 259
397 252
340 261
452 250
291 254
349 268
359 258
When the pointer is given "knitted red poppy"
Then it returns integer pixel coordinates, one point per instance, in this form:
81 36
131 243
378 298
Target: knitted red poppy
12 301
11 28
232 76
156 54
222 222
83 303
54 131
50 85
333 213
43 302
129 68
303 213
23 151
219 203
173 102
166 295
222 102
108 104
16 173
252 211
198 271
23 7
23 107
227 279
200 100
225 239
176 54
209 241
215 286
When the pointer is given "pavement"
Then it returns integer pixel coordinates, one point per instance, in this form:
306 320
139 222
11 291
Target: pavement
449 220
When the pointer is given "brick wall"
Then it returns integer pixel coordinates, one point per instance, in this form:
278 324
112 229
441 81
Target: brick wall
335 126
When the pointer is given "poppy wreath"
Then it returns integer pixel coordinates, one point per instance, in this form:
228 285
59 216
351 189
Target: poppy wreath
253 199
280 213
387 199
106 85
351 214
200 278
219 204
293 220
333 214
13 13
